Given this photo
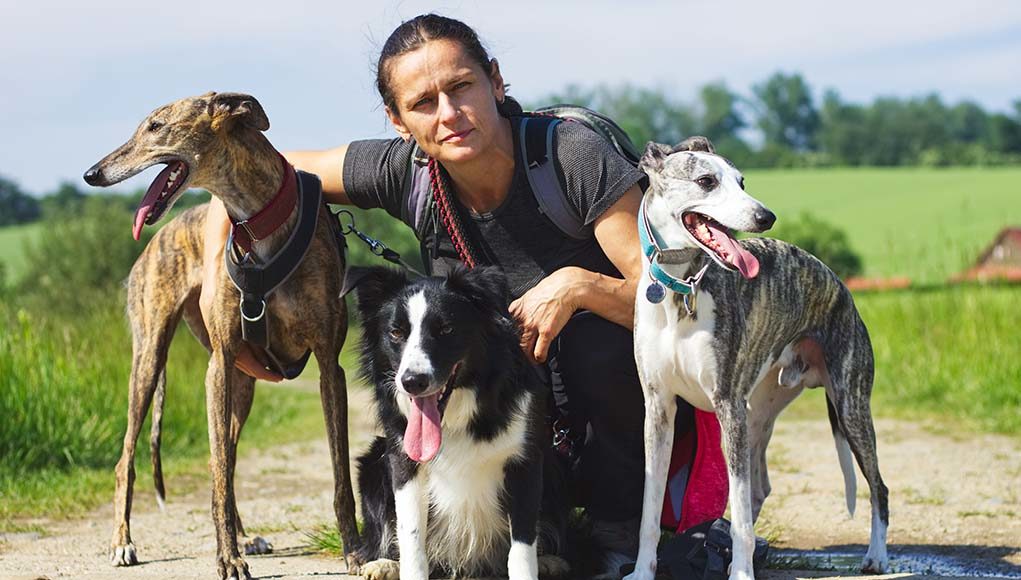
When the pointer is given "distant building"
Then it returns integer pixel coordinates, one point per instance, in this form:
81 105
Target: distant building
1001 261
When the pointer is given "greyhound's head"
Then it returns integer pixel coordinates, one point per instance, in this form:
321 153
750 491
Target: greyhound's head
696 197
193 137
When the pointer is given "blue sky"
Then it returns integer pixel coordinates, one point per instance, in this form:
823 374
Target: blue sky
77 78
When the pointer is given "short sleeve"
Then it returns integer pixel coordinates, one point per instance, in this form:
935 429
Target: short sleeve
591 172
375 171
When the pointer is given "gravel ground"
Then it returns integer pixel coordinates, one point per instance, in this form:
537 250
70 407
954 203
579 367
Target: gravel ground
955 512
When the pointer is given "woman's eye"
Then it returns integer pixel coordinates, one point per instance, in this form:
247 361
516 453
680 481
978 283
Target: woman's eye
421 103
461 85
397 334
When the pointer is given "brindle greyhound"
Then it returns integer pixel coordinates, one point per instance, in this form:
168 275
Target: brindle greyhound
710 328
215 141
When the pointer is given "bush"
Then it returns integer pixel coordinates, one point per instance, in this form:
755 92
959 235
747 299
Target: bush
821 239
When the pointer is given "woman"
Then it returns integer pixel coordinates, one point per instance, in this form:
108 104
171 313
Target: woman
574 299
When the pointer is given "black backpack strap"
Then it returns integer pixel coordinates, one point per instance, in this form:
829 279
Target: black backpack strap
419 209
536 141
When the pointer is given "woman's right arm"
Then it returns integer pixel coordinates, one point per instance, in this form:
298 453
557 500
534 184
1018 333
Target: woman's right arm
328 165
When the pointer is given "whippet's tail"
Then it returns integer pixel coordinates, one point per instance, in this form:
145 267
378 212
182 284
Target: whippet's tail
155 436
844 456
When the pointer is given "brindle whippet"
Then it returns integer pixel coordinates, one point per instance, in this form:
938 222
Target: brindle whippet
216 142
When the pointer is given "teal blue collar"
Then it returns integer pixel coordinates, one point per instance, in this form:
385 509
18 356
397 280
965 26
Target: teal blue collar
652 247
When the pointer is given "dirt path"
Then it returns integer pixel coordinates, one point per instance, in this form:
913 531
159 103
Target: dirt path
952 500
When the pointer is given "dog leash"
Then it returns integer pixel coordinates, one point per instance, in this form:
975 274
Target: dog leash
355 274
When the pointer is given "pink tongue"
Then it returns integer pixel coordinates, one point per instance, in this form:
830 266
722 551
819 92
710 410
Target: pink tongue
423 437
151 195
738 257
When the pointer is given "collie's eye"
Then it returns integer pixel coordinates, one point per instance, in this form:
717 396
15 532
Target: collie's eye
706 182
155 126
446 329
397 334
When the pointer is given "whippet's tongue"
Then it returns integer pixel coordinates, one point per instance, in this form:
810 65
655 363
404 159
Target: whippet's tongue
151 195
737 256
423 437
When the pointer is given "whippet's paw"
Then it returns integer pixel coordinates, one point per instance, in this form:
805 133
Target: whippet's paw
232 568
257 545
874 564
123 555
381 570
551 566
741 574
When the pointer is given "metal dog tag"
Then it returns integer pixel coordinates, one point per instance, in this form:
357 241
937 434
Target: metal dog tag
655 293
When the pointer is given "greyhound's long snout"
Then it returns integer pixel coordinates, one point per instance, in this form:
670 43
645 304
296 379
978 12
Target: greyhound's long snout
764 219
94 176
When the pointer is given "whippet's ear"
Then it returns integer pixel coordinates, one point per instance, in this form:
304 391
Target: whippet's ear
654 156
229 108
696 143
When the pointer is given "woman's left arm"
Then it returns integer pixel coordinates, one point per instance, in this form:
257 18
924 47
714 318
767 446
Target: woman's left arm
545 309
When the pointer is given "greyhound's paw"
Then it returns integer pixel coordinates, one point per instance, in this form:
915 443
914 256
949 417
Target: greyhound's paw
232 568
551 566
874 564
257 545
381 570
123 555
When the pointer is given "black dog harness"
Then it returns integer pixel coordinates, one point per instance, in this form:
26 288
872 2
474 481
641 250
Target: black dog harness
256 280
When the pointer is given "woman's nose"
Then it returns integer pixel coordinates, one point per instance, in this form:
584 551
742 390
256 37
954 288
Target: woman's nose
447 109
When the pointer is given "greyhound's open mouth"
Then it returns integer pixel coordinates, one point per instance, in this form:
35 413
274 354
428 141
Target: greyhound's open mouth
160 195
715 238
423 436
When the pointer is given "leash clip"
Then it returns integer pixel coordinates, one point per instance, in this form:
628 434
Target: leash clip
251 235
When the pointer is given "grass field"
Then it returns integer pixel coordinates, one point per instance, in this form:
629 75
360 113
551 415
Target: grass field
923 223
12 246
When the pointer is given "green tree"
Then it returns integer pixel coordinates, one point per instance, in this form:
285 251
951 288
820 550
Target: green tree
67 198
821 239
786 114
16 206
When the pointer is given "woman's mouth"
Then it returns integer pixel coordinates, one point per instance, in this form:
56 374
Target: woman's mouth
457 137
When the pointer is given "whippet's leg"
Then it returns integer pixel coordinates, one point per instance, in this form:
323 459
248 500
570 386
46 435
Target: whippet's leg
219 385
734 424
660 412
333 392
149 358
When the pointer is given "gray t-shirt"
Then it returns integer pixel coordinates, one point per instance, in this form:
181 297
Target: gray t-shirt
515 236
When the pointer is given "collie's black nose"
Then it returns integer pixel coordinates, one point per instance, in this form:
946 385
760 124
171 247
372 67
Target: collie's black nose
414 383
93 176
764 219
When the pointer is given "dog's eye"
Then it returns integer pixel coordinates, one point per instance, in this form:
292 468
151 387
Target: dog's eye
446 329
397 334
740 182
706 182
155 126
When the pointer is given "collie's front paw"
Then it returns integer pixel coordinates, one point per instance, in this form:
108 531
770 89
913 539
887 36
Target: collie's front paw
551 566
381 570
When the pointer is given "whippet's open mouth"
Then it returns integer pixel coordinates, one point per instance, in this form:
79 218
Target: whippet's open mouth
717 241
161 195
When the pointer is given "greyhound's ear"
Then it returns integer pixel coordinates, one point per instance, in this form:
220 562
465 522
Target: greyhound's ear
696 143
228 108
653 158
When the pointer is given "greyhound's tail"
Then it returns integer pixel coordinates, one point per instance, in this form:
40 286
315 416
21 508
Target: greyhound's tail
154 439
844 455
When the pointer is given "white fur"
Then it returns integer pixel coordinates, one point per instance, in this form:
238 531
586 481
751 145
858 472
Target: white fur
412 519
414 357
522 562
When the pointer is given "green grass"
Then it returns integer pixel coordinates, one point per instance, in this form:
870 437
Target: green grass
923 223
12 246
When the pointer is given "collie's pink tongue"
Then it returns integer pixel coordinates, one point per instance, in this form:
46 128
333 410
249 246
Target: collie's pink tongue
151 195
423 437
737 256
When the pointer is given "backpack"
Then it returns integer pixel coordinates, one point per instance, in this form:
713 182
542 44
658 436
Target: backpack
536 143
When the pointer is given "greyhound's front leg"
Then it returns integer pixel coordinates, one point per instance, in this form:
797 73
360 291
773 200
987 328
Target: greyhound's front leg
229 562
410 501
734 423
660 412
333 392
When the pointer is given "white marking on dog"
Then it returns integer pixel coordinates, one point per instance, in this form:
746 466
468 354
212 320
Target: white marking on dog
522 562
876 559
414 358
412 519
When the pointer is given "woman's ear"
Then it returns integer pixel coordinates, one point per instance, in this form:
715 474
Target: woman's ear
398 125
496 79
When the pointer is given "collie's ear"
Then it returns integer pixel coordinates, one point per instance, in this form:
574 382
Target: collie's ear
485 286
653 158
375 286
696 143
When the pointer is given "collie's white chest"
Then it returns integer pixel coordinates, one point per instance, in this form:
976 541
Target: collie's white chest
674 352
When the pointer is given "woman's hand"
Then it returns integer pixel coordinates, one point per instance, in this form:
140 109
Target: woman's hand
543 311
217 226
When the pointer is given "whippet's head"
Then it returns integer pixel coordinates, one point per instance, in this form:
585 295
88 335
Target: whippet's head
696 197
198 138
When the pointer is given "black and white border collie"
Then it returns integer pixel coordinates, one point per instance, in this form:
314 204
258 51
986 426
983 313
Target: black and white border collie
454 486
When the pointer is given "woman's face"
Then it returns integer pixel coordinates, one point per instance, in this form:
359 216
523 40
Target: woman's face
446 101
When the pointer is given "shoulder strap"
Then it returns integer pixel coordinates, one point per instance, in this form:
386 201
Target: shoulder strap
536 141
